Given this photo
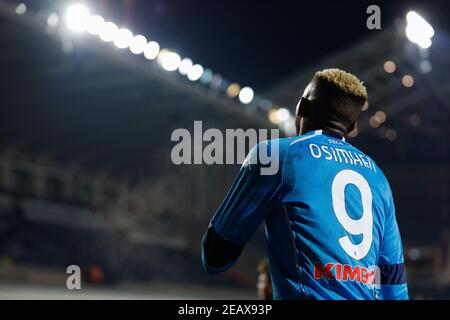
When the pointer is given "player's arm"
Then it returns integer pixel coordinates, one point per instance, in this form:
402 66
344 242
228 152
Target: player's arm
392 273
240 214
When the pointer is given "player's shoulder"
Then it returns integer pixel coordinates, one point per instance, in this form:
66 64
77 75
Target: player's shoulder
274 145
283 144
304 138
268 152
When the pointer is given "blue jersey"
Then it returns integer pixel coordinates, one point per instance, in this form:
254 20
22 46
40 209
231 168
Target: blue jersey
329 216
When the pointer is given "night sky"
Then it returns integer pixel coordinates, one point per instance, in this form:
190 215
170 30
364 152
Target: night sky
256 43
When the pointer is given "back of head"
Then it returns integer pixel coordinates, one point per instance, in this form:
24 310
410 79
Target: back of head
335 99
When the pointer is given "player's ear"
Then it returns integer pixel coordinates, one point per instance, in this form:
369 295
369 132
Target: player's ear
303 107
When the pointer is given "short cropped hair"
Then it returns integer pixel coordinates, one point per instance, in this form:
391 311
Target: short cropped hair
344 81
339 97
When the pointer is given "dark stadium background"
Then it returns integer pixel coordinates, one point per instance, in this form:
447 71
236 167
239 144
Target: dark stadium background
85 170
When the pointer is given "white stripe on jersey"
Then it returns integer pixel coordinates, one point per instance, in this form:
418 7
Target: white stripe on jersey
315 134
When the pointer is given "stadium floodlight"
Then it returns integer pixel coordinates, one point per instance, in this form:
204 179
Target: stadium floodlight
53 20
408 80
151 50
162 53
108 31
216 81
94 24
77 15
170 61
138 44
425 43
390 66
123 38
206 76
283 115
233 90
185 66
195 73
418 30
272 115
78 19
246 95
21 8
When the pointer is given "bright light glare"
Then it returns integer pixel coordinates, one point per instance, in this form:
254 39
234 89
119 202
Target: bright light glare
76 17
108 31
21 8
123 38
408 80
246 95
95 24
272 115
206 76
423 27
283 114
216 81
373 122
233 90
170 61
425 43
390 66
195 73
162 53
418 30
380 116
52 20
138 44
185 66
151 50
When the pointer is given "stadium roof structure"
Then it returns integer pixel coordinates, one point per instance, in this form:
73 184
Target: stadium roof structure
78 101
406 126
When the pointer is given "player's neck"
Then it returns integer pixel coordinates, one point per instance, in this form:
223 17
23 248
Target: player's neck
334 128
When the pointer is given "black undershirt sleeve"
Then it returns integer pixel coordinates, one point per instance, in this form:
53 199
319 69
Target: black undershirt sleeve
218 251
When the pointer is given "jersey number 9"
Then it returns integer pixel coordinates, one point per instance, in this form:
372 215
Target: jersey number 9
364 224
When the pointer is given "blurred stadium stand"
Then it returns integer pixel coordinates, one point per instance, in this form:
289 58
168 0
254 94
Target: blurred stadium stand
85 170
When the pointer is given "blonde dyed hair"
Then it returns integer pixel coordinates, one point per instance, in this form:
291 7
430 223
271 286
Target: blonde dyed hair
344 81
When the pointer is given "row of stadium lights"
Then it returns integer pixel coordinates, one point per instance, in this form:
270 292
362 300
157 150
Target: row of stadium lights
78 19
419 32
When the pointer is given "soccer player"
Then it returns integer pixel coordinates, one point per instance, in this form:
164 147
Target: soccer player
331 230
